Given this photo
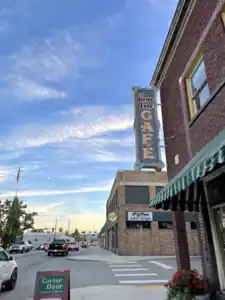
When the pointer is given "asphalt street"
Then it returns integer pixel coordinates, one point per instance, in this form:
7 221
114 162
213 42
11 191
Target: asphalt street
90 273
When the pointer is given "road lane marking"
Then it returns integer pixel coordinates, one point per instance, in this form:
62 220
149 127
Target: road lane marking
117 262
120 260
151 286
129 270
130 275
122 266
158 263
142 281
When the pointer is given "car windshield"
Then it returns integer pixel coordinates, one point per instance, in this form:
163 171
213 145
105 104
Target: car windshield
19 243
59 242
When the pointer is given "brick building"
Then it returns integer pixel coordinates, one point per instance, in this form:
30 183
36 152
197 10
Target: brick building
190 74
130 234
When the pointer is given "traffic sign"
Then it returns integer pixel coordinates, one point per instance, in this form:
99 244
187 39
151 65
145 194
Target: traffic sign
54 285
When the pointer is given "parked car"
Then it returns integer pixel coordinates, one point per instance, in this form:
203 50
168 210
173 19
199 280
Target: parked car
73 247
45 247
84 245
30 245
8 270
38 247
19 247
59 246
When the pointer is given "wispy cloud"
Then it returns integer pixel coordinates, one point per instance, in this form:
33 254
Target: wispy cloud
6 12
44 208
107 156
87 126
10 155
33 193
27 90
3 174
39 64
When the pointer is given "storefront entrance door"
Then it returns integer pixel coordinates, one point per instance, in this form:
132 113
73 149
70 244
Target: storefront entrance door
219 218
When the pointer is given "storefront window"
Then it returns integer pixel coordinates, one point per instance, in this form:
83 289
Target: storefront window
138 225
193 225
165 225
219 217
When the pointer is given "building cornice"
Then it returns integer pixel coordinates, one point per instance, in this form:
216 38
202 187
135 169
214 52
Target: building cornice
173 36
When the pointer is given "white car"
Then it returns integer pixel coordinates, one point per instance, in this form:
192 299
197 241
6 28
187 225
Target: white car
8 270
19 247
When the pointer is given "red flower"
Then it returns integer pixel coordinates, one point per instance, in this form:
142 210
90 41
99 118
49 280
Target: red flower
199 286
205 285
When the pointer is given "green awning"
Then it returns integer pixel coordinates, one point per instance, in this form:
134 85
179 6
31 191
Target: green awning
201 164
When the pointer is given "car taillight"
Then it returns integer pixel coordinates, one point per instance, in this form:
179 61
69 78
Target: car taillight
63 246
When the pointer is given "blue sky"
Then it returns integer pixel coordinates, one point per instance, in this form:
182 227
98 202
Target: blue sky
67 71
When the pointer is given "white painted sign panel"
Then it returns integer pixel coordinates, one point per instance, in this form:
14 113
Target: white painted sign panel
139 216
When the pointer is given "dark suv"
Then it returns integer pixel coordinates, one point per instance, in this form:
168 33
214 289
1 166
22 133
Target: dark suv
59 246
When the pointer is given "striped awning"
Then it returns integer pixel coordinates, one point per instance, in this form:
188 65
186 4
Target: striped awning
203 162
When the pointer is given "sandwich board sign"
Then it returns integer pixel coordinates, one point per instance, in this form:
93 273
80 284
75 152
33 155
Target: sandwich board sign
52 285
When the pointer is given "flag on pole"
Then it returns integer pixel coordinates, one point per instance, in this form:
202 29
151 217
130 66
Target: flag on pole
18 176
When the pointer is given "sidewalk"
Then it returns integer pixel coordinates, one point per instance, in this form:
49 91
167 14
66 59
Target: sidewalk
115 292
107 256
118 292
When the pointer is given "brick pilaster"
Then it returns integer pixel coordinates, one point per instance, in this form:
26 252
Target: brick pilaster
208 257
181 240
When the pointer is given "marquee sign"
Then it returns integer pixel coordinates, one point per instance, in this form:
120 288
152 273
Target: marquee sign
139 216
146 128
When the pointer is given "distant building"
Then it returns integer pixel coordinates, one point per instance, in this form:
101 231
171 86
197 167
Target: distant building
139 229
44 237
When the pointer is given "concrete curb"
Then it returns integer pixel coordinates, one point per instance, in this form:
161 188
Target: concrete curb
112 292
125 259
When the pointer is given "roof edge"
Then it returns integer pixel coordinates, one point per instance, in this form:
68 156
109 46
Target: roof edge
167 43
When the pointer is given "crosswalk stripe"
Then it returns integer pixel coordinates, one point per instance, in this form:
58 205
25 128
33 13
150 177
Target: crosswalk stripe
142 281
158 263
129 270
120 262
130 275
127 266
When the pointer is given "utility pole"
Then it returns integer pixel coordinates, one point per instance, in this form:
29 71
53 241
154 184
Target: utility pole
55 228
69 227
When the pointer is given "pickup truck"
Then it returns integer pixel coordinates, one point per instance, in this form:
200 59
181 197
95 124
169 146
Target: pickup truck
58 246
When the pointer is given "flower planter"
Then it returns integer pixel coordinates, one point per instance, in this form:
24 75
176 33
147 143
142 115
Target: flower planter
203 297
184 296
185 284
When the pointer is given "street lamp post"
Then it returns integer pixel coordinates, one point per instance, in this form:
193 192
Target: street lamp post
55 228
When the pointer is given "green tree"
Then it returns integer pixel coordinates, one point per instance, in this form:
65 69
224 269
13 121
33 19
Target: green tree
76 235
14 220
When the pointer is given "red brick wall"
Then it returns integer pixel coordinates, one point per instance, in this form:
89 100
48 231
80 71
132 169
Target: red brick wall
150 242
153 242
211 121
170 90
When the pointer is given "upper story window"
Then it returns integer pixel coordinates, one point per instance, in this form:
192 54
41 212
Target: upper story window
137 194
197 87
223 15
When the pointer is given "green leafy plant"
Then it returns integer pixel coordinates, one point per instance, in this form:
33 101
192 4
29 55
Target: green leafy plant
14 220
186 285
